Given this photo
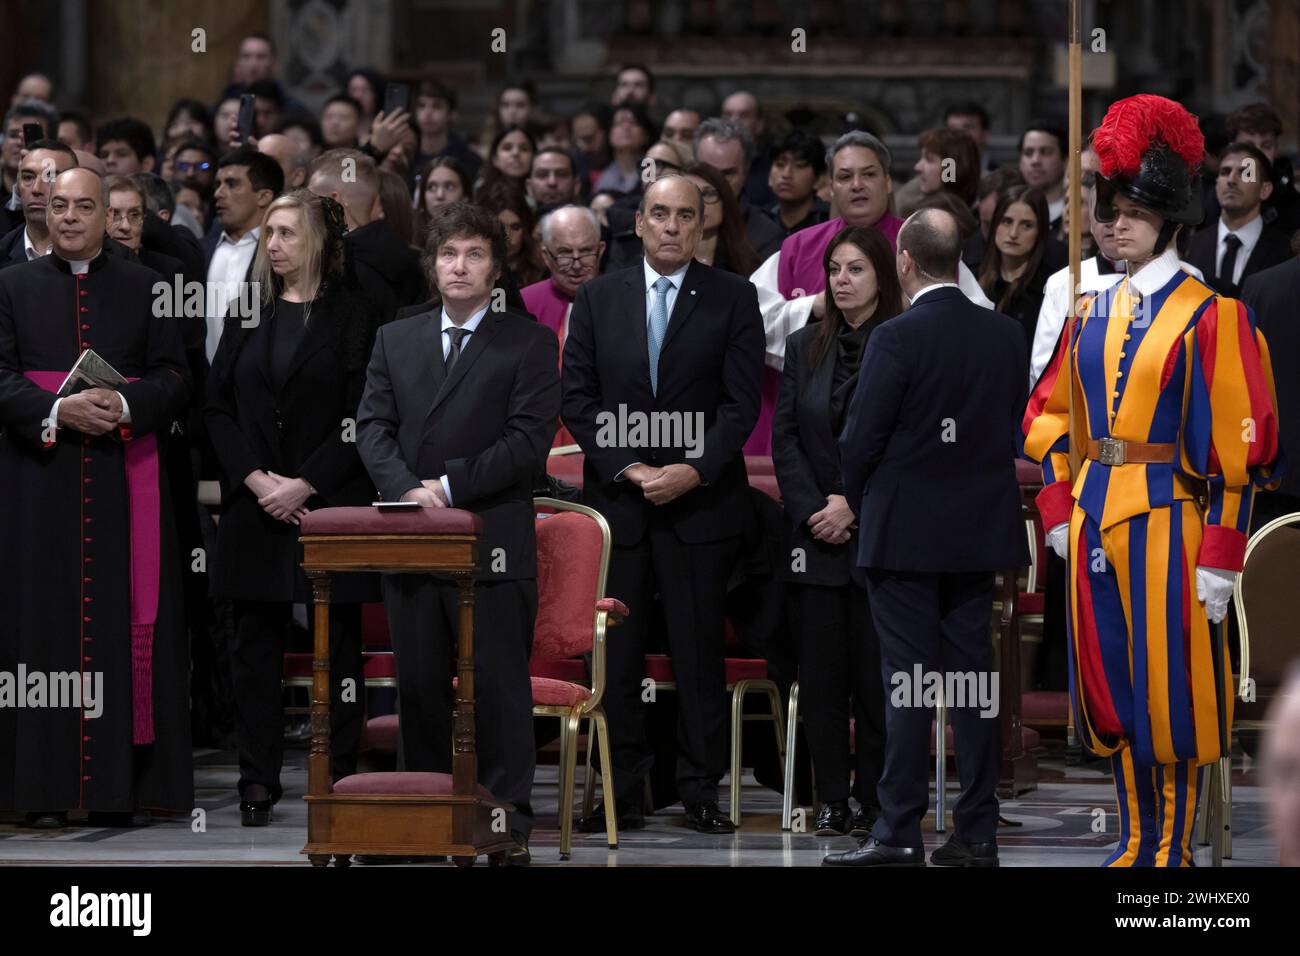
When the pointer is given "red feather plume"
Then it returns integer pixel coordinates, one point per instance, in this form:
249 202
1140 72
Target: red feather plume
1133 125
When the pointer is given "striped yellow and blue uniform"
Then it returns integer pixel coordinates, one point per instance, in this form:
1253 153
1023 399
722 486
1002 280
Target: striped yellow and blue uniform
1178 366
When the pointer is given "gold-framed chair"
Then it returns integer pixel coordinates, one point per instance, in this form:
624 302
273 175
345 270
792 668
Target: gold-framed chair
573 618
1262 596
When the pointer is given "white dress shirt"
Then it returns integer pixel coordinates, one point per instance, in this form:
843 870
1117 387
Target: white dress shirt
1249 235
930 288
1056 305
226 269
782 317
31 250
470 325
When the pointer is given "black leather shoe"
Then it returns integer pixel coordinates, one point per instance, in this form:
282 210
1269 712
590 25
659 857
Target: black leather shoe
872 852
958 853
863 821
518 855
630 817
47 821
707 817
833 819
255 813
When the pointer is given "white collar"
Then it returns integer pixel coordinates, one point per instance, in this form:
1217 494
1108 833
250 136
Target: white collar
1155 275
1248 234
469 325
30 248
651 276
79 266
931 287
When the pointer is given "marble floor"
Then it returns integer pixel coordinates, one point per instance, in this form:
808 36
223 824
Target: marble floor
1056 828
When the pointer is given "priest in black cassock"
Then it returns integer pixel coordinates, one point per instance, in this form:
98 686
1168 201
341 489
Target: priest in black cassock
87 544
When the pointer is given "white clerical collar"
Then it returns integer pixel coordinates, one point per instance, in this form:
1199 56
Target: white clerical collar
651 276
1155 275
931 287
1248 234
469 325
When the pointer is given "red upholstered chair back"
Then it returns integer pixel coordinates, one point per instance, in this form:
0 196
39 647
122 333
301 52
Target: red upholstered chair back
572 560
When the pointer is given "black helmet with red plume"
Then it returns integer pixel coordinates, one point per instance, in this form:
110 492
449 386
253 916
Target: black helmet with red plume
1149 149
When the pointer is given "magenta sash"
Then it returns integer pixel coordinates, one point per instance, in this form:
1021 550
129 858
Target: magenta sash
144 502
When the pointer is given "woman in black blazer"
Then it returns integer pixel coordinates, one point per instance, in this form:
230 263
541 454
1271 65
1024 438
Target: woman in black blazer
839 654
281 412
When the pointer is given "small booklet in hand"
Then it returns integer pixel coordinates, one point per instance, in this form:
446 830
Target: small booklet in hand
91 371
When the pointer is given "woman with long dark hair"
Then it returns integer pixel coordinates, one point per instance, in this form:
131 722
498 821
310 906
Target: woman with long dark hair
281 396
523 255
839 652
723 244
509 160
442 182
1014 272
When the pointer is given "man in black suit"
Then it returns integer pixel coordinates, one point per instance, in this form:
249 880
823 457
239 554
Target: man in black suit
667 337
928 454
459 411
1273 295
1241 243
36 171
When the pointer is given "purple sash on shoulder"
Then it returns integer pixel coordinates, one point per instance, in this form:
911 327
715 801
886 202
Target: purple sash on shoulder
144 504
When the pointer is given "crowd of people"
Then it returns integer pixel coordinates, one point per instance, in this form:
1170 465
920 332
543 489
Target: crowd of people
549 263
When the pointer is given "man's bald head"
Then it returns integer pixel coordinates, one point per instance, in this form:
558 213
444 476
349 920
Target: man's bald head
76 215
931 242
348 176
292 160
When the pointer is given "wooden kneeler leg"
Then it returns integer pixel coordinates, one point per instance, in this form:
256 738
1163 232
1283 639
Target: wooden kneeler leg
464 761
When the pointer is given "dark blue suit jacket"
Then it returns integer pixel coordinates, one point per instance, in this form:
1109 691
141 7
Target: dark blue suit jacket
928 449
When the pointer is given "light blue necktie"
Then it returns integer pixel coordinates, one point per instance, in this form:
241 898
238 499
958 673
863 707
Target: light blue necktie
658 326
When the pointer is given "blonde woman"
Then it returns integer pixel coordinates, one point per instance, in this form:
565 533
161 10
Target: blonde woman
280 396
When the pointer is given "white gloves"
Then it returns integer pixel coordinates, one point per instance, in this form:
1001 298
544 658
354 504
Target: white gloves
1058 539
1213 585
1213 589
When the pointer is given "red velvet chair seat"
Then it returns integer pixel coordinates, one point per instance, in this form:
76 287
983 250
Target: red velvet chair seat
1030 602
561 693
378 666
381 734
405 783
570 668
364 519
1045 706
659 668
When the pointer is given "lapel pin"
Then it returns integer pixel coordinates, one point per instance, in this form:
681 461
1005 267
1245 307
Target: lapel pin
692 292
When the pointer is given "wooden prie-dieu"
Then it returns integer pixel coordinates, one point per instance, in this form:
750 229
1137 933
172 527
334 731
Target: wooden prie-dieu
398 814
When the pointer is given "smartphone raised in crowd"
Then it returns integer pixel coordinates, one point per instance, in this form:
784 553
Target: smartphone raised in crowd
397 96
247 116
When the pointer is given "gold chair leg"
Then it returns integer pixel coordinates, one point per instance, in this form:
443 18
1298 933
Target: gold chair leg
1226 822
1204 801
607 780
569 726
791 736
737 738
588 780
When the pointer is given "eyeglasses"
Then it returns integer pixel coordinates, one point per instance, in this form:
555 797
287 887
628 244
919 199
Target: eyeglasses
133 216
187 167
566 262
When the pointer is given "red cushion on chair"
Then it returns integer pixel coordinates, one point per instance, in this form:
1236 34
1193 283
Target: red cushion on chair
364 519
296 666
560 693
374 625
381 734
403 782
759 465
1045 706
1030 602
1027 473
379 666
566 467
570 669
659 668
613 606
568 568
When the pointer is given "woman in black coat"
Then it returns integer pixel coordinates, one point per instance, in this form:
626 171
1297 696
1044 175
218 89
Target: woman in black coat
1019 257
839 653
281 412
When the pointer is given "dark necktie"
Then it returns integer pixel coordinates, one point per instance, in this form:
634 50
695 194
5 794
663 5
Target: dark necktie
453 353
1229 267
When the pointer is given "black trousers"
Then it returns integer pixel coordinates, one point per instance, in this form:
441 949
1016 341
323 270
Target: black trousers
941 622
839 660
423 612
691 581
257 662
